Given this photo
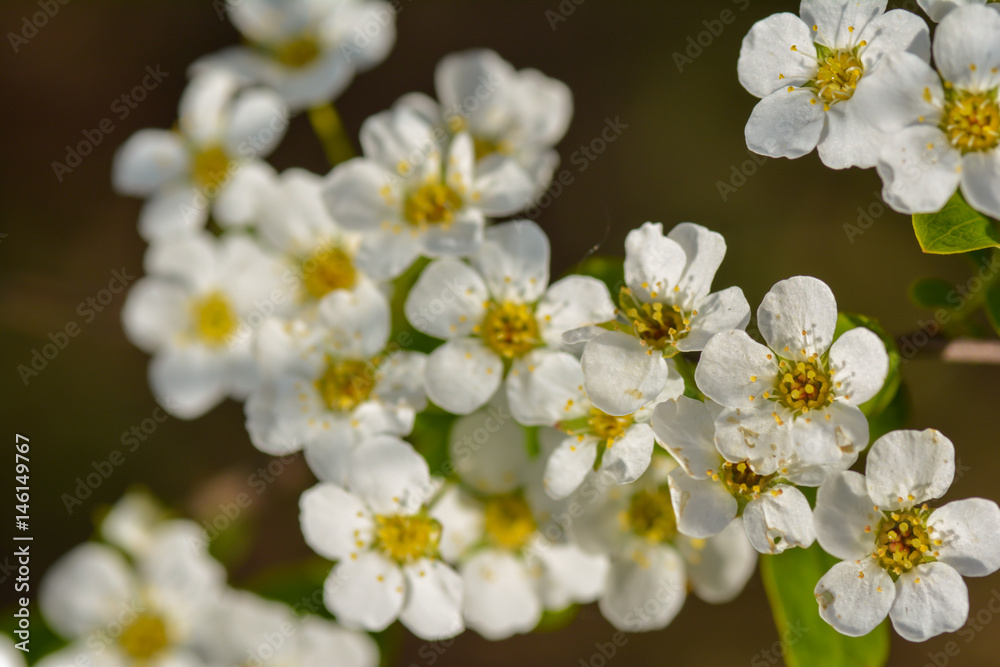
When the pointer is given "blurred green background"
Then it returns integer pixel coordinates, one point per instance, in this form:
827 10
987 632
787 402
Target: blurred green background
683 136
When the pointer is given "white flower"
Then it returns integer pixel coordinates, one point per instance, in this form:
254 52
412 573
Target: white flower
249 630
497 315
792 405
667 307
652 565
306 50
131 524
938 9
511 570
900 557
942 136
511 114
9 655
807 69
386 544
410 199
191 313
330 384
221 131
553 395
152 613
708 492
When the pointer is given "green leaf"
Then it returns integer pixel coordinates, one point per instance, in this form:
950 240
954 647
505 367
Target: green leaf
806 639
933 293
955 228
431 431
878 403
893 417
299 585
992 307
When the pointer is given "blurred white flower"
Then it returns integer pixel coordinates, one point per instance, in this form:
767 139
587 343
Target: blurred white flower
900 557
192 311
510 114
938 9
221 130
792 405
306 50
807 70
667 307
386 544
495 312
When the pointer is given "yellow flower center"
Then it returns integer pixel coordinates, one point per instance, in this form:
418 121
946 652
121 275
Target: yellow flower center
902 541
658 325
741 480
803 386
327 270
972 122
651 515
510 329
214 318
838 76
485 147
345 384
210 168
608 427
405 539
144 637
298 52
509 522
431 204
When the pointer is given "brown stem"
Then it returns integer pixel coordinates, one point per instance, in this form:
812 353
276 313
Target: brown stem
957 351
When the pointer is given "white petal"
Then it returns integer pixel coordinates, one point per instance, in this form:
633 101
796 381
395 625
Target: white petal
358 320
356 196
895 31
85 589
980 175
850 138
154 310
645 590
571 575
838 22
653 262
969 531
786 123
319 639
384 255
627 458
546 388
568 465
176 209
703 507
755 436
686 429
462 375
719 567
390 475
328 453
501 186
488 451
188 381
245 198
500 598
481 73
798 314
919 169
447 300
330 517
433 608
901 91
398 136
823 436
768 61
366 592
461 519
704 250
718 312
620 376
931 599
147 161
571 303
843 512
257 123
780 518
859 365
967 48
855 597
459 239
203 106
906 468
514 261
735 370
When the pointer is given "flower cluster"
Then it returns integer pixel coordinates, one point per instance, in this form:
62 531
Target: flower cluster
485 437
855 82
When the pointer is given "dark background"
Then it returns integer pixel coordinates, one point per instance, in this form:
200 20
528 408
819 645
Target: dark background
684 134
